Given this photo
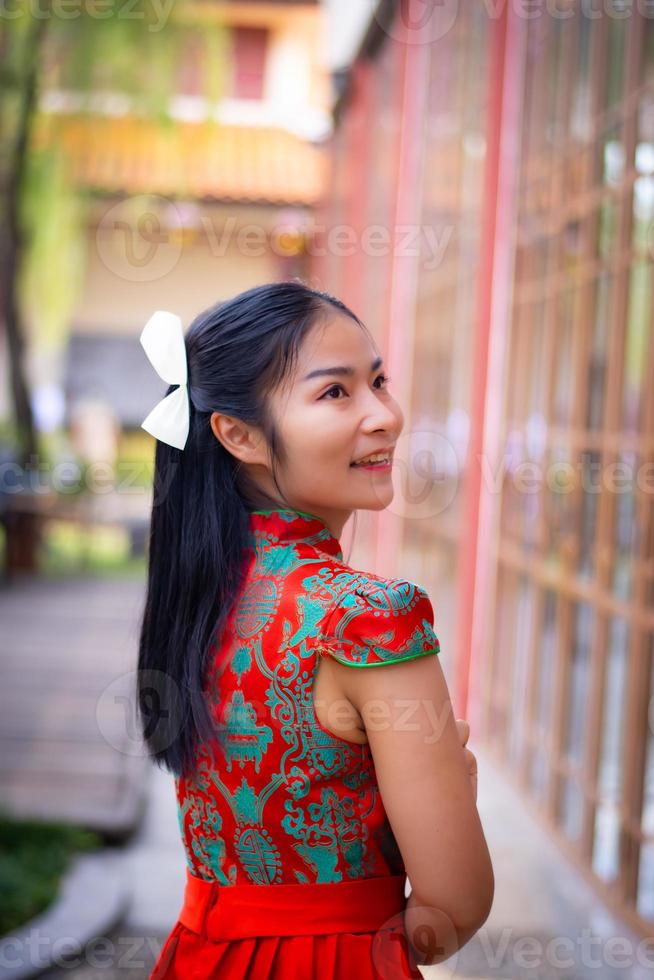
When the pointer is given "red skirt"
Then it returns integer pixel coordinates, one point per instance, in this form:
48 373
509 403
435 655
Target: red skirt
330 931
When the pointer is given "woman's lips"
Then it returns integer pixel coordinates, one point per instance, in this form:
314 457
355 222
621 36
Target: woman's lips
372 466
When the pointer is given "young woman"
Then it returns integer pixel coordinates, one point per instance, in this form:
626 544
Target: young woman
299 703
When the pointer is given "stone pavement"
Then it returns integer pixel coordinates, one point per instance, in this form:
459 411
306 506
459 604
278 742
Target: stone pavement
154 864
68 746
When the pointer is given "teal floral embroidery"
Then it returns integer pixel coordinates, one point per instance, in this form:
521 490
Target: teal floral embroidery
207 843
375 621
241 663
277 561
245 803
309 614
298 784
257 607
326 830
244 740
258 855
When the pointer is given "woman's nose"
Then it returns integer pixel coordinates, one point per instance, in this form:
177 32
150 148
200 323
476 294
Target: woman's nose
385 415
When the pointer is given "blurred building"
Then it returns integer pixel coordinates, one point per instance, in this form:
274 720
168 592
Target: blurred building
491 221
190 210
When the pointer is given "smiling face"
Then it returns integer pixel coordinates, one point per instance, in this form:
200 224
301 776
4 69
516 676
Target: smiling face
335 408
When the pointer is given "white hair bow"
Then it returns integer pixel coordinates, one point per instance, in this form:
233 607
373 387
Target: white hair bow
163 341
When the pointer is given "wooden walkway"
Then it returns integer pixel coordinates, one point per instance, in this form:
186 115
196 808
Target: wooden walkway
69 748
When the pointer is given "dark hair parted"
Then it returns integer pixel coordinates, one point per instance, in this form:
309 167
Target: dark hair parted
238 352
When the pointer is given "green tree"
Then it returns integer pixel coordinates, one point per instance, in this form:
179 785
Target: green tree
83 47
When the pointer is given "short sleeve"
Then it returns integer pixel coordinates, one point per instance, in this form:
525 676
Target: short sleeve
379 621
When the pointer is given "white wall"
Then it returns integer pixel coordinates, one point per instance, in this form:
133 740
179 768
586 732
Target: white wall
185 273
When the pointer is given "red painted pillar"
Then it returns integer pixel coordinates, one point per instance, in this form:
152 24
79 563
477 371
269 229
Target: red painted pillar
414 78
493 202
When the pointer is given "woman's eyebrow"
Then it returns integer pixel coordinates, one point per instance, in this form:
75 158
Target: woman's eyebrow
341 371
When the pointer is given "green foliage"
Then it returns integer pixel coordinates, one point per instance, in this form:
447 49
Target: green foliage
33 857
16 36
70 548
54 263
126 50
9 436
135 52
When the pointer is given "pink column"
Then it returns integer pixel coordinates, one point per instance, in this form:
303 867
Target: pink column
506 79
414 75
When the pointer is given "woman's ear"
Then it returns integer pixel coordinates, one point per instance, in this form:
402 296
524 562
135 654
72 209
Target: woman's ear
243 441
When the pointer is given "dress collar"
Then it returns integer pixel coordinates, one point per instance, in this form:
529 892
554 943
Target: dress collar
288 525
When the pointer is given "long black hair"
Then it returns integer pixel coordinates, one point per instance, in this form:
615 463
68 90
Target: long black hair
238 352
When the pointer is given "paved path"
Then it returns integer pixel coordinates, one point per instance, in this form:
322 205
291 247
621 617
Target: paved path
154 864
68 747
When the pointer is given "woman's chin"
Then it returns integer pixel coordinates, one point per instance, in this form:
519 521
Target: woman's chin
378 498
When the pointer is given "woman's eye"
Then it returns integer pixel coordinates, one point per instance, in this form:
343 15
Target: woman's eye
329 391
384 378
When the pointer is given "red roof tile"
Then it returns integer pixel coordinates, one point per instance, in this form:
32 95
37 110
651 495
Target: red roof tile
198 160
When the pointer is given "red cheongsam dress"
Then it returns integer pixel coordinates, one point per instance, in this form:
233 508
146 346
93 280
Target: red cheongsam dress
293 872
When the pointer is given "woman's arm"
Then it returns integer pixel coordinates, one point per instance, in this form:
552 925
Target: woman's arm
425 784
